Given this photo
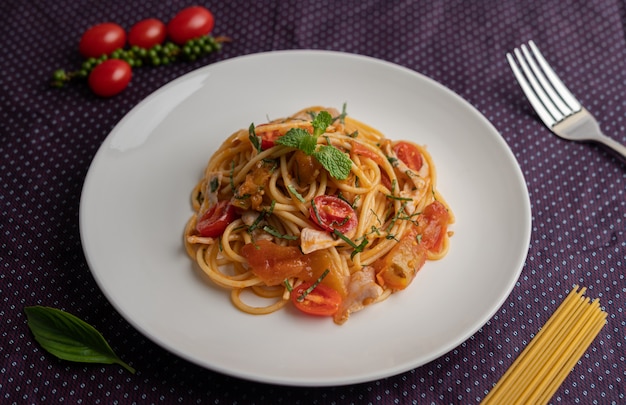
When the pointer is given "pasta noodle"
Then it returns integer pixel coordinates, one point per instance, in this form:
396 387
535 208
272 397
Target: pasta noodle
321 200
540 369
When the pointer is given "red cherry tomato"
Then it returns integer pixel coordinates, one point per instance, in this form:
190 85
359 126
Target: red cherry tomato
147 33
330 213
409 154
433 224
268 138
110 77
216 219
190 23
102 39
321 301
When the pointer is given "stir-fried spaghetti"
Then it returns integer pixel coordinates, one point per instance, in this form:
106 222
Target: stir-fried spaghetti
319 210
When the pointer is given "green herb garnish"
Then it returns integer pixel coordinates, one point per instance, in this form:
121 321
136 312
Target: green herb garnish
70 338
214 184
293 191
331 158
357 248
277 234
312 287
254 140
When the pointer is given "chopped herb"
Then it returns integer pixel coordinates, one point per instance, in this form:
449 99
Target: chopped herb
257 222
357 248
277 234
271 162
393 161
344 113
317 214
354 134
214 184
312 287
393 197
254 140
288 285
272 207
293 191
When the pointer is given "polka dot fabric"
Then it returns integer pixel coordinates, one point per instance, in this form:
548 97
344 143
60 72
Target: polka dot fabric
48 138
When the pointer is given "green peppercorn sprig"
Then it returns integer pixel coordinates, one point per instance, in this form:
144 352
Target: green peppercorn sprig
160 54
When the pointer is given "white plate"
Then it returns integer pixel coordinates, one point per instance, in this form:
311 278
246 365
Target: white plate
135 203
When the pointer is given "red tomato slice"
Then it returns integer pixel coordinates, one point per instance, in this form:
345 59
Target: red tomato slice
330 213
397 269
359 149
433 225
268 138
409 154
216 219
321 301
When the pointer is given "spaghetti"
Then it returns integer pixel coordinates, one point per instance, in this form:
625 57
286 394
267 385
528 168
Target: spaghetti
540 369
318 209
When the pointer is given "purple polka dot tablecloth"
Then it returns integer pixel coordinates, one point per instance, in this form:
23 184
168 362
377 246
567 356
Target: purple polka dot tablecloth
49 136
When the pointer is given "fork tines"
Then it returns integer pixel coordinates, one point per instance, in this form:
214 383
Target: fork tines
547 94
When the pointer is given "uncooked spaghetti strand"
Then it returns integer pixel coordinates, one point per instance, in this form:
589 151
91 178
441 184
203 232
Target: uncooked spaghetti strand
555 352
552 353
598 323
498 391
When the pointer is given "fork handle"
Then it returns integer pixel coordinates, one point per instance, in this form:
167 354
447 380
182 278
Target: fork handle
613 144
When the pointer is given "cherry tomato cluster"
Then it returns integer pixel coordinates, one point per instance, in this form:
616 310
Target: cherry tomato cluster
109 61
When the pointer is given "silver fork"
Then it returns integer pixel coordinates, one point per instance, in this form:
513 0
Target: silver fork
553 102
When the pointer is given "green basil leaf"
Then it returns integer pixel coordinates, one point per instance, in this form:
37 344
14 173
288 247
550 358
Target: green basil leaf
70 338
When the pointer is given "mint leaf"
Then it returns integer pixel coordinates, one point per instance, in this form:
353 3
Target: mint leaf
331 158
70 338
321 121
300 139
334 160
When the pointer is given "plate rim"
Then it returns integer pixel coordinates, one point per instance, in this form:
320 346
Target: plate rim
295 381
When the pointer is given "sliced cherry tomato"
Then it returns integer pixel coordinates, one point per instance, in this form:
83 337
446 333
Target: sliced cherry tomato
102 39
433 225
268 138
321 301
330 213
190 23
147 33
110 77
398 267
216 219
409 154
359 149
